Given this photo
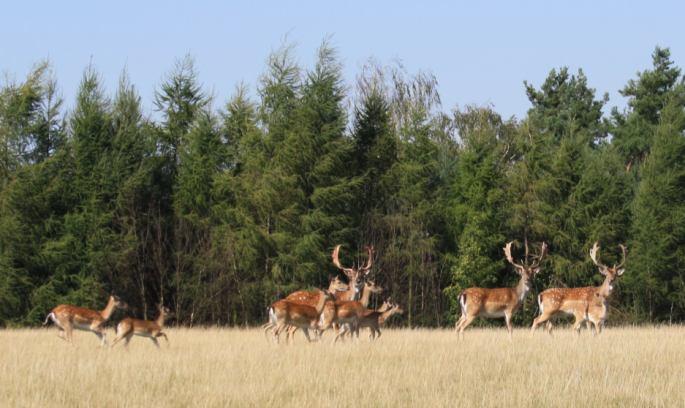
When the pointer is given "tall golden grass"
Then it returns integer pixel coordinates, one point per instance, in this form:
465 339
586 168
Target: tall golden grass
232 367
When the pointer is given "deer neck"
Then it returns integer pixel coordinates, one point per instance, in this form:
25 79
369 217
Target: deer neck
366 296
106 313
321 303
386 315
352 290
522 289
160 319
606 288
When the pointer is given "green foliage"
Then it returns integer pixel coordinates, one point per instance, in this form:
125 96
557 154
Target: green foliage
217 213
657 281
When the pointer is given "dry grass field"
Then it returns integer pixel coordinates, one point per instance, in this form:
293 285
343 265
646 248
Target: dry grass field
232 367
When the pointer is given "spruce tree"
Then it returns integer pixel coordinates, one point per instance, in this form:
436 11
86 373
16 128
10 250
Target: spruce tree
656 273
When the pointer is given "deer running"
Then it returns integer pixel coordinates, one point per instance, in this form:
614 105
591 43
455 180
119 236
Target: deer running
68 317
587 303
500 302
129 327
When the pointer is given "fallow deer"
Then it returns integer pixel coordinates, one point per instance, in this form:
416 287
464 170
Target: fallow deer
356 276
129 327
305 317
374 319
308 297
344 306
68 317
587 303
500 302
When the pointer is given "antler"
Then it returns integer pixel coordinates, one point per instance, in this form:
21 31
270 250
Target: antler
593 255
366 268
538 258
348 271
507 254
623 259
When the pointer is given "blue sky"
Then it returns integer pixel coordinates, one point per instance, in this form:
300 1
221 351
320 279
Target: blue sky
481 52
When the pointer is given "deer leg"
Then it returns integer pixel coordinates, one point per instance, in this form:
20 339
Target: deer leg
507 320
117 339
548 327
341 335
466 324
162 334
154 340
100 335
306 334
539 320
580 318
127 340
277 332
267 327
69 332
459 323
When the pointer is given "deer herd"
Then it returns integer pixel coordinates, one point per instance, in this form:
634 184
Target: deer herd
344 307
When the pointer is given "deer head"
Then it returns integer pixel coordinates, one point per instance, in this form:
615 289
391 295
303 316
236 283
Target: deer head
529 265
610 273
355 275
336 285
118 302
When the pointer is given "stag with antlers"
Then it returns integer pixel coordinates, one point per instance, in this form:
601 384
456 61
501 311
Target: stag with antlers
587 303
500 302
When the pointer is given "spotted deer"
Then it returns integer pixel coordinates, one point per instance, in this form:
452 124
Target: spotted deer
308 297
68 317
290 313
500 302
584 304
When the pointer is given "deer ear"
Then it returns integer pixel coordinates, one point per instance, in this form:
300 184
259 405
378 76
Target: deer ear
535 270
620 272
603 271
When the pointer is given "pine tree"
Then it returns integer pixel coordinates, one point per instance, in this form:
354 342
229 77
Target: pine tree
647 95
656 275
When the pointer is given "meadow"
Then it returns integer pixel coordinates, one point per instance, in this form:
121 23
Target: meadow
213 367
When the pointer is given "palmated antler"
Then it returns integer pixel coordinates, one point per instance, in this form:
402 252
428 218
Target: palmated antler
369 261
526 264
623 258
507 254
595 258
538 258
350 272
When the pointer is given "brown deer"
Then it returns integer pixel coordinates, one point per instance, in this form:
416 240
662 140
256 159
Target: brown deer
356 276
129 327
308 297
374 319
68 317
587 303
344 306
500 302
305 317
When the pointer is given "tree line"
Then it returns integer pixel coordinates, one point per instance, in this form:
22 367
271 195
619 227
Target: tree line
218 211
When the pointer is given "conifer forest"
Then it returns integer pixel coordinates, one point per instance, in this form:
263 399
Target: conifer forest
217 208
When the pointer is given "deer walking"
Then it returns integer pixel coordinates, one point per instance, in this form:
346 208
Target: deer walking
586 303
500 302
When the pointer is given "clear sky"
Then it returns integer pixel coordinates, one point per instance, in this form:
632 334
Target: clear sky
481 52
